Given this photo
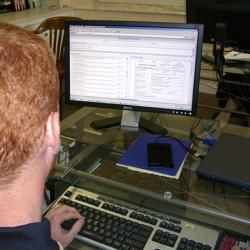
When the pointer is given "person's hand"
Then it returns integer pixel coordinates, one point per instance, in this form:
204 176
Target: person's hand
18 5
57 216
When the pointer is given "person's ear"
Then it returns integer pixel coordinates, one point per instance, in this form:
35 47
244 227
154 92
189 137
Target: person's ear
53 132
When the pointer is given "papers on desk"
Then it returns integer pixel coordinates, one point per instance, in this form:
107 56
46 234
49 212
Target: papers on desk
237 56
136 156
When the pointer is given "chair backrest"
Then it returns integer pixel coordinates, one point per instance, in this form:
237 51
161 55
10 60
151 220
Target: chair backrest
53 28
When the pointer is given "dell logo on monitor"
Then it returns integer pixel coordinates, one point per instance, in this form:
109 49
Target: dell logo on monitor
127 107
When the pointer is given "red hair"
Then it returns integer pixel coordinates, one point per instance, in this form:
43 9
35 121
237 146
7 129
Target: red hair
29 92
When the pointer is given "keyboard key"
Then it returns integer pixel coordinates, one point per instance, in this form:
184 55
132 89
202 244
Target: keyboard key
121 238
124 211
115 224
153 221
108 233
170 243
135 230
121 232
198 246
165 235
144 233
145 228
140 217
114 236
164 238
184 240
114 209
92 235
116 244
134 248
96 203
170 226
133 215
164 224
173 237
114 229
157 236
146 219
139 238
190 245
89 227
103 220
181 246
108 241
163 241
174 221
79 197
101 231
177 229
62 200
125 246
122 226
67 202
68 193
128 234
172 240
84 213
207 247
134 243
95 229
135 224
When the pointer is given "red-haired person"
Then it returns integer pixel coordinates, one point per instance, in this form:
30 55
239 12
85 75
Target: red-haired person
29 142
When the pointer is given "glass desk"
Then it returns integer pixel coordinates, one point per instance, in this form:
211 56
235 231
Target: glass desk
89 161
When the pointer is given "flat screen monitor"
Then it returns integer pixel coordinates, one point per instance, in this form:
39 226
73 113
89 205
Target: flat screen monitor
134 66
235 14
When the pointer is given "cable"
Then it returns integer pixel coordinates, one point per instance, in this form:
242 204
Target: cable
205 60
208 126
154 117
179 141
194 125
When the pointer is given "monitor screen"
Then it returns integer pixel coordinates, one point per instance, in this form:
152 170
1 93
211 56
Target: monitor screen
133 65
235 14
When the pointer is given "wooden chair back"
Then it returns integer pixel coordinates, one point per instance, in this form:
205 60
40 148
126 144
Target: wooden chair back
53 29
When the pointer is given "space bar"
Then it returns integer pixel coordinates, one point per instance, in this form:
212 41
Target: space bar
92 236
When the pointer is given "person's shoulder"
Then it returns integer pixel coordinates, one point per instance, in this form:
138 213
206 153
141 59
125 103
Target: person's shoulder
29 237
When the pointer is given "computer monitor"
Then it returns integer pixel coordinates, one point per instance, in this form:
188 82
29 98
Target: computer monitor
134 66
235 14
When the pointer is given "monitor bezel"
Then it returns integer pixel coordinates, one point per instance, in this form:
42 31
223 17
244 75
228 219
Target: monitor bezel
191 112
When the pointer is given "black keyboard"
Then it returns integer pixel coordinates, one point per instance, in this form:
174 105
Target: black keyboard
112 225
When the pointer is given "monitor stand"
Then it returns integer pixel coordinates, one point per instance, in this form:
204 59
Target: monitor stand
129 119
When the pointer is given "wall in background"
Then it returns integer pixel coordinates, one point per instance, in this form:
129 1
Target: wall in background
156 2
135 10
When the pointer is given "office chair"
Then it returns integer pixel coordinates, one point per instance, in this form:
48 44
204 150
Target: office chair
52 29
